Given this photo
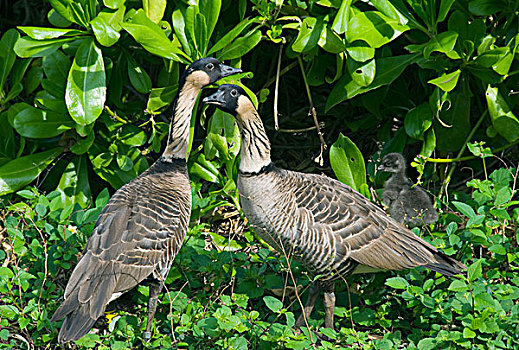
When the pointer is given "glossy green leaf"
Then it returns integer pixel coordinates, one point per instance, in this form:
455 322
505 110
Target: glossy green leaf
86 84
397 283
152 38
340 23
360 51
33 79
160 97
418 120
211 10
388 9
105 34
230 36
388 69
486 7
330 41
474 271
114 4
452 125
362 73
429 144
347 162
240 46
57 20
273 303
37 123
443 42
28 47
74 186
154 9
132 136
40 33
62 7
179 25
56 67
308 35
124 162
503 119
7 55
83 144
19 172
138 77
446 82
374 28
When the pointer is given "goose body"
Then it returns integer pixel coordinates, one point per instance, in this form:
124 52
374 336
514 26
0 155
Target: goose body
407 203
330 228
142 227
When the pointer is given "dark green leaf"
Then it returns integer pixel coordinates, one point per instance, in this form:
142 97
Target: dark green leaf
230 36
240 46
347 162
132 136
57 20
330 41
504 120
138 77
374 28
28 47
37 123
211 10
33 79
7 55
21 171
82 145
418 120
73 185
86 84
486 7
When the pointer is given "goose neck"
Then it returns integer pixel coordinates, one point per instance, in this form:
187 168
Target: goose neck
255 145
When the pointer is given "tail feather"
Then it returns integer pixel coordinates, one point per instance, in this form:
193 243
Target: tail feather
76 324
446 265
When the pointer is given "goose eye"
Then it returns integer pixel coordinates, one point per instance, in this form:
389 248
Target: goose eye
209 66
234 92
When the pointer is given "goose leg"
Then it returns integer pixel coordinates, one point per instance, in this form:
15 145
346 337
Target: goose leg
155 289
313 293
329 306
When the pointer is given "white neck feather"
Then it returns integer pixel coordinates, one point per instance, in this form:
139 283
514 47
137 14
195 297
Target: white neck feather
255 145
179 129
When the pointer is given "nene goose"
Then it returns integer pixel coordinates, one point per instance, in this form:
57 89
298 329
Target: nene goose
330 228
142 227
407 204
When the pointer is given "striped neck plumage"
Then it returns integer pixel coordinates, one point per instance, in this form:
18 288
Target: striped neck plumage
255 145
178 139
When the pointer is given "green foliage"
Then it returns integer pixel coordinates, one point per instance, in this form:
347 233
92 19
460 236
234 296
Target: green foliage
84 102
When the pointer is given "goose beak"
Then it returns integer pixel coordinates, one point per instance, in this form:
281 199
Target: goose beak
215 99
228 70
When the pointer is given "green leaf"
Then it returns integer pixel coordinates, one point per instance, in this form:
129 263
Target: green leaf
105 34
152 38
40 33
388 69
374 28
429 144
40 124
330 41
347 162
397 283
362 73
340 23
468 333
28 47
138 77
74 186
211 10
458 286
57 20
388 9
273 304
446 82
21 171
240 46
308 35
33 79
86 84
132 136
154 9
7 55
474 271
82 145
443 42
486 7
503 119
465 209
418 120
360 51
230 36
453 123
160 97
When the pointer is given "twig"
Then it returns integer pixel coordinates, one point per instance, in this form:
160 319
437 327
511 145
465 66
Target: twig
276 89
297 130
313 113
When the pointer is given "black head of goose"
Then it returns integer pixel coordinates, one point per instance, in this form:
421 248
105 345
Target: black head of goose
142 227
407 203
332 229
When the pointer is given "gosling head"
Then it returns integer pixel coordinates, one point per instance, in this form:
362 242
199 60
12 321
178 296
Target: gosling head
393 163
206 71
232 99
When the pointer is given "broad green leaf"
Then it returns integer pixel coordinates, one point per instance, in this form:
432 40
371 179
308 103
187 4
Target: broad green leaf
445 6
7 55
503 119
330 41
114 4
152 38
273 303
429 144
362 73
458 286
132 136
124 162
160 97
138 76
56 67
105 34
308 35
33 79
86 84
211 10
154 9
40 33
73 185
57 20
340 23
397 283
203 173
63 8
37 123
201 38
82 145
28 47
240 46
486 7
347 162
224 135
374 28
7 138
418 120
230 36
113 18
443 42
179 25
452 125
465 209
474 271
388 9
491 57
446 82
388 69
360 51
21 171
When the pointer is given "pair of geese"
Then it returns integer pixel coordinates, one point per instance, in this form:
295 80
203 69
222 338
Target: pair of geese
333 230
